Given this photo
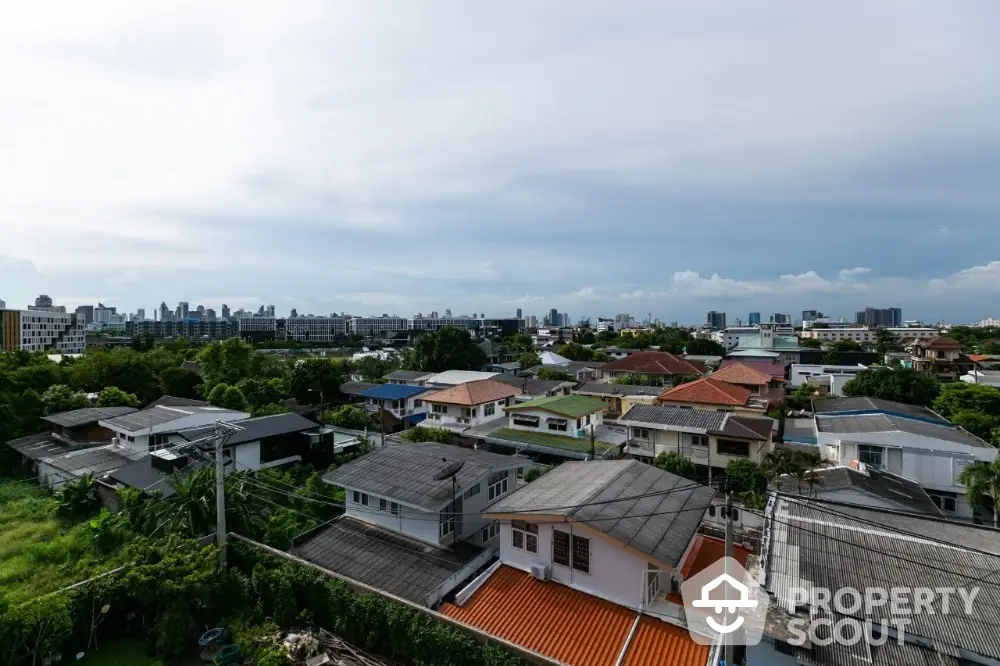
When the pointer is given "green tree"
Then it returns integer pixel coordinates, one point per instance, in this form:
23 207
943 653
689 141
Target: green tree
124 368
979 424
528 359
886 342
747 475
226 362
588 338
372 368
351 418
180 383
678 464
903 385
518 343
233 399
576 352
427 434
704 347
847 346
554 373
957 397
218 394
448 348
313 375
113 396
810 343
61 398
982 486
259 392
270 410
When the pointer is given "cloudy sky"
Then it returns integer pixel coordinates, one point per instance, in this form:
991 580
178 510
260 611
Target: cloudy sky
378 156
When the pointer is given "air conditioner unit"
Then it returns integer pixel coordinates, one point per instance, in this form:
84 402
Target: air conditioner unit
539 571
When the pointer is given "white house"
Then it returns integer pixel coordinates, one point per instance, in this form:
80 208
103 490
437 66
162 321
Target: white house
469 405
157 427
906 440
403 401
831 377
568 415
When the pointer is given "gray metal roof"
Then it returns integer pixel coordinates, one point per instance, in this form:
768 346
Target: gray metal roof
355 388
674 416
257 428
405 472
810 546
171 401
901 491
601 388
864 423
43 445
155 416
97 460
79 417
407 375
530 385
660 525
387 560
863 404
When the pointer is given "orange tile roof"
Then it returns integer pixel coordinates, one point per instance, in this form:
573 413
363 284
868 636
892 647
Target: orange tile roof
707 391
570 626
653 363
706 551
743 374
474 393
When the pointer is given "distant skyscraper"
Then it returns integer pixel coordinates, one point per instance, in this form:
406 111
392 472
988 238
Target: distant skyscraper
880 317
553 319
779 318
44 304
225 311
140 314
184 310
564 320
293 313
270 311
85 313
209 315
754 319
43 301
519 316
3 304
716 320
164 311
812 315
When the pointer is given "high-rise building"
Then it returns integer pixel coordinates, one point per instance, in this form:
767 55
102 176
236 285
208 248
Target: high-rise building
184 309
880 317
812 315
716 320
225 311
44 304
519 314
41 330
754 319
270 311
140 314
164 311
553 318
780 318
209 315
85 313
3 304
293 313
43 301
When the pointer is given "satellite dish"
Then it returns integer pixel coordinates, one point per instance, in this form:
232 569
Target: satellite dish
449 471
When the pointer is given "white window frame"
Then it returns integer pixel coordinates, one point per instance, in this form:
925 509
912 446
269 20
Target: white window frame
489 409
640 433
525 533
383 504
497 486
870 450
491 531
448 521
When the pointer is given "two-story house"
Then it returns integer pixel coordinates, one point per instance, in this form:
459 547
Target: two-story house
657 366
714 394
941 357
709 439
412 524
470 404
907 440
408 377
619 398
588 554
404 402
761 384
158 427
568 415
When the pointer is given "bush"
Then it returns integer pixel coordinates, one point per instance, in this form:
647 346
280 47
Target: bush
425 434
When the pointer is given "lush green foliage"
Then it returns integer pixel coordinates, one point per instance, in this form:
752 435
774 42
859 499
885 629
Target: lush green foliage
676 463
577 352
448 348
316 378
846 346
61 398
528 359
640 380
352 418
704 347
886 341
180 383
226 362
553 373
903 385
113 396
427 434
975 407
672 340
982 485
811 343
974 338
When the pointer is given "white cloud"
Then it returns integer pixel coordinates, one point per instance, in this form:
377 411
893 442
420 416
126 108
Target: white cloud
976 280
850 273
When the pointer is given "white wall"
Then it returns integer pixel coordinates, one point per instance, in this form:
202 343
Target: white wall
247 456
666 441
616 574
414 523
585 422
453 414
800 373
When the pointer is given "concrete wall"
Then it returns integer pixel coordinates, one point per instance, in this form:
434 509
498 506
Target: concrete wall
575 427
453 414
414 523
666 441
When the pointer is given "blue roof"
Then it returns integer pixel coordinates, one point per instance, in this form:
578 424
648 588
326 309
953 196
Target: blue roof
415 418
392 391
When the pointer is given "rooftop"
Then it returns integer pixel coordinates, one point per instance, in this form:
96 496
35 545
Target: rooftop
393 391
602 388
708 391
741 373
706 551
785 342
355 388
405 472
874 405
171 401
860 548
530 385
868 423
660 525
874 482
573 406
96 460
408 568
570 626
776 370
455 377
606 438
473 393
154 416
717 423
86 416
43 445
257 428
408 375
653 363
753 353
942 343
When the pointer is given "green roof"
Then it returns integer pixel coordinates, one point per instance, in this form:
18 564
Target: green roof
579 444
567 405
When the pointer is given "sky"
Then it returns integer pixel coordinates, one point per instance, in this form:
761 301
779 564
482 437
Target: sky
384 157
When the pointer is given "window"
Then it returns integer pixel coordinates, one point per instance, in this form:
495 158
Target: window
557 424
640 433
474 490
524 536
870 455
652 582
711 511
699 440
588 419
730 448
944 502
489 409
579 424
356 496
524 420
736 515
383 504
571 550
417 403
394 508
447 521
497 486
364 499
491 531
439 409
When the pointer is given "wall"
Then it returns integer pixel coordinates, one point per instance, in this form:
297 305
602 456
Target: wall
801 372
414 523
454 412
247 455
585 422
667 441
616 574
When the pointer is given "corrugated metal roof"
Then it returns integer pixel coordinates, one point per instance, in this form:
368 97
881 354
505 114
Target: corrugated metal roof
601 388
355 388
257 428
863 404
901 491
408 375
702 419
154 416
570 626
393 391
865 423
79 417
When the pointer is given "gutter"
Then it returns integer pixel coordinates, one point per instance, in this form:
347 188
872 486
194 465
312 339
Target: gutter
628 639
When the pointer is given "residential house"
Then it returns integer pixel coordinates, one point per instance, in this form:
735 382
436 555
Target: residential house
714 394
617 353
576 371
906 440
412 524
352 390
941 357
618 398
449 378
158 427
829 379
532 388
860 334
570 415
470 404
584 567
408 377
861 485
709 439
758 382
770 365
657 366
404 403
814 546
765 342
509 368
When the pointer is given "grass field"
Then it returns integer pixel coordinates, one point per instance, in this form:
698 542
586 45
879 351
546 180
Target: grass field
553 441
39 552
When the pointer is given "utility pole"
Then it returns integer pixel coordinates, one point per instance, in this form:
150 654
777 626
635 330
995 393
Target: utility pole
593 447
223 431
729 553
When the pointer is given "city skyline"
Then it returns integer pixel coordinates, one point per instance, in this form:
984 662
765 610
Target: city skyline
735 165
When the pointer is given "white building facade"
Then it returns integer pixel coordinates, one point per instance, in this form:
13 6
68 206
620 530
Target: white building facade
39 330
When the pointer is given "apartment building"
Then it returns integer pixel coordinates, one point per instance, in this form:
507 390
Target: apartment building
309 328
377 326
42 330
859 334
419 323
